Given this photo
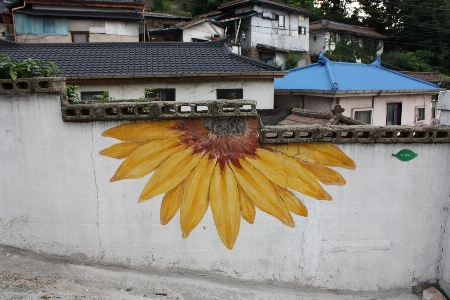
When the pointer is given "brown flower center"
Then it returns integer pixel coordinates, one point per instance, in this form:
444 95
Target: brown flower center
227 139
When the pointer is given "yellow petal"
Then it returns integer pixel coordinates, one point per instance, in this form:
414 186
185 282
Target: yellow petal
143 131
121 150
170 173
224 199
326 154
261 192
287 173
292 203
324 174
195 196
171 203
146 158
248 211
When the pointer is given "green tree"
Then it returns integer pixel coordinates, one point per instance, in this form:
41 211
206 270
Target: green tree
412 25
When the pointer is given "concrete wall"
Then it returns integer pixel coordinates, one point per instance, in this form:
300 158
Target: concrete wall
253 89
382 230
444 274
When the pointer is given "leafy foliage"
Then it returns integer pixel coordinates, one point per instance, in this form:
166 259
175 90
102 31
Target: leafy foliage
146 91
104 97
292 59
72 95
27 68
413 25
417 61
351 50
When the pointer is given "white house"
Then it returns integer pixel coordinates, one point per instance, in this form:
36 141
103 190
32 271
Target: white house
175 71
324 34
265 29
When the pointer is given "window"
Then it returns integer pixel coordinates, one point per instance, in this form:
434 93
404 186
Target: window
301 18
420 114
49 25
162 94
230 94
80 37
363 115
280 19
394 114
89 95
302 30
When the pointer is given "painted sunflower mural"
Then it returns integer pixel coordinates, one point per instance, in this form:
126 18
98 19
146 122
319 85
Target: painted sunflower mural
219 162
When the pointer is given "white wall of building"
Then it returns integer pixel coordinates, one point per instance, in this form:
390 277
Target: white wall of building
319 41
382 230
260 90
266 31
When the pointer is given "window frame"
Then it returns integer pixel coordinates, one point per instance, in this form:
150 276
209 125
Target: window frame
279 17
228 92
355 110
417 108
159 90
302 30
393 115
93 93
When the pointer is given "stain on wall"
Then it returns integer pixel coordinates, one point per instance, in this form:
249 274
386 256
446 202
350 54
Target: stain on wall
219 162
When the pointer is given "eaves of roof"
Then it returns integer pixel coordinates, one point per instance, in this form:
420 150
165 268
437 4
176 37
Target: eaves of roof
270 3
335 26
104 3
83 14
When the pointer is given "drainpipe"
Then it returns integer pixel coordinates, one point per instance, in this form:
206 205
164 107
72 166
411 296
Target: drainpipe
373 104
14 22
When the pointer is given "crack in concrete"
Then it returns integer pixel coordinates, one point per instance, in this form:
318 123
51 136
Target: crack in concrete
95 179
442 242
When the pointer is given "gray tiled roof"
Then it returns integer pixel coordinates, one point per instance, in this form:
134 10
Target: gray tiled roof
166 58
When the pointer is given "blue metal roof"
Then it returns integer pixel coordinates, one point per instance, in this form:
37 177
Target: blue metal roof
328 76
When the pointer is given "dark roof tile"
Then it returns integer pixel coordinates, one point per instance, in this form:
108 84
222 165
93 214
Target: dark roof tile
88 59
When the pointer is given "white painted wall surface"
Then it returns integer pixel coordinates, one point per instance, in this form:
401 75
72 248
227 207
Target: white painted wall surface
260 90
266 31
444 270
320 43
382 230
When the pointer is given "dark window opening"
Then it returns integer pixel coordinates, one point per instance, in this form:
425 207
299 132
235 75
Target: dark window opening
302 30
420 114
87 96
162 94
394 114
230 94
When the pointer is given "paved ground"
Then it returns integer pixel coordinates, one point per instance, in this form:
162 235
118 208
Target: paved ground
28 275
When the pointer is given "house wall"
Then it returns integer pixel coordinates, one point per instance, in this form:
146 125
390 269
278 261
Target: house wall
266 31
321 42
409 104
203 31
381 231
260 90
99 31
304 102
